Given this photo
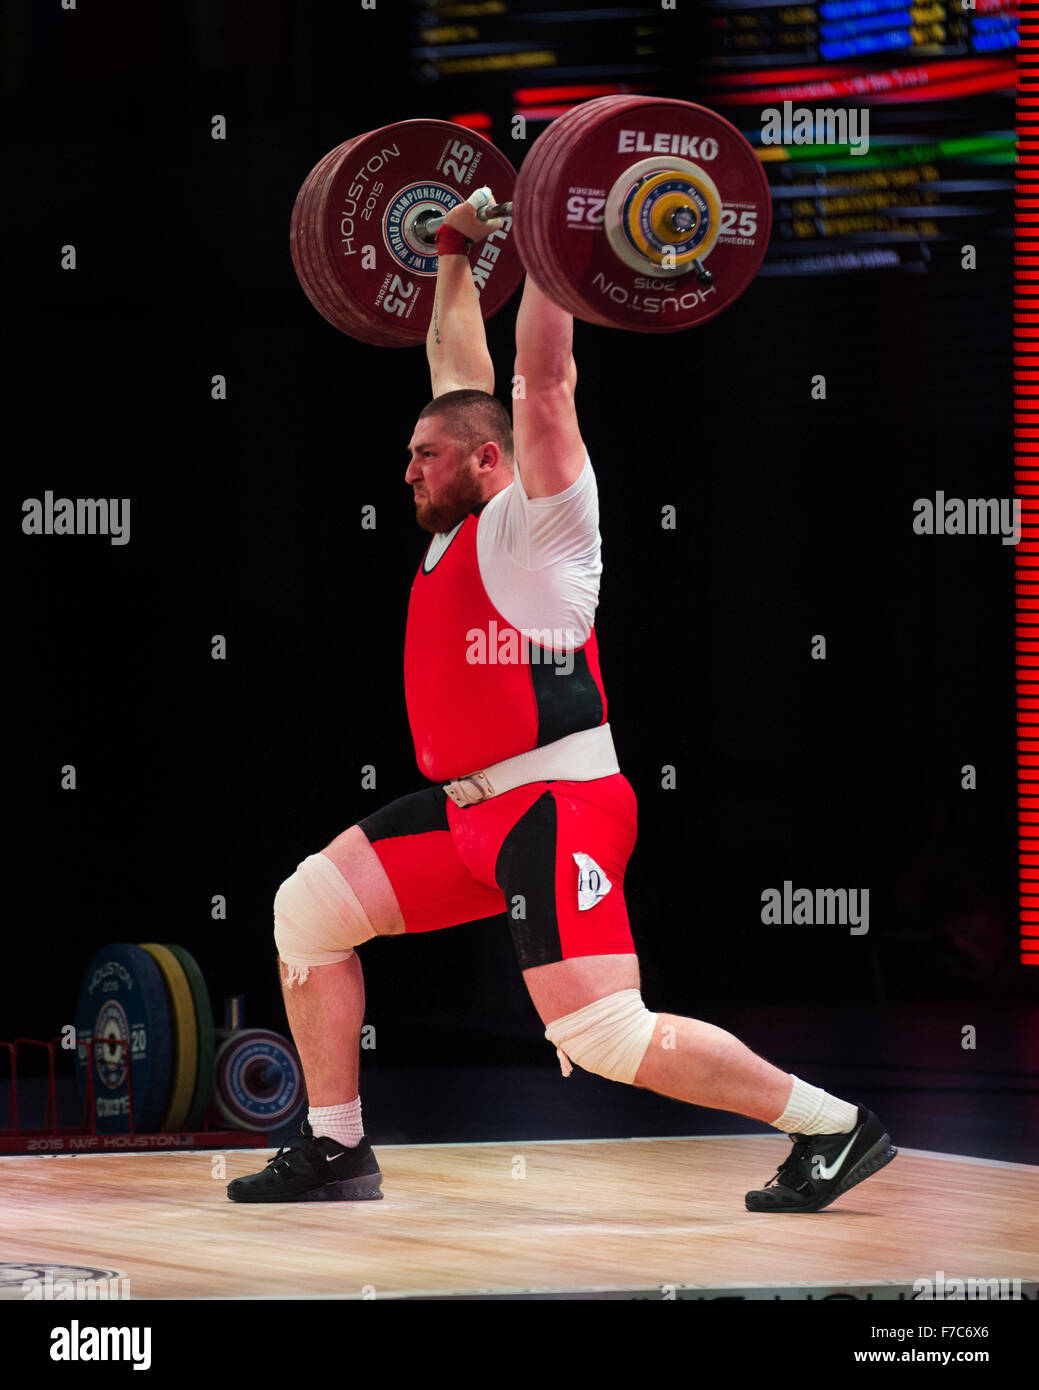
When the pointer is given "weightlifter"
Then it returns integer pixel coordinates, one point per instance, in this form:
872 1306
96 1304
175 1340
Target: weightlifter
528 812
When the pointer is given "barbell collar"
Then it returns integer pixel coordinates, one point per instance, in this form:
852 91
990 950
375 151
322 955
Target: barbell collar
427 227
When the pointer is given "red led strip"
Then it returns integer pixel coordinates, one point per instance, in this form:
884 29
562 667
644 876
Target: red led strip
550 96
1026 477
921 82
473 120
818 75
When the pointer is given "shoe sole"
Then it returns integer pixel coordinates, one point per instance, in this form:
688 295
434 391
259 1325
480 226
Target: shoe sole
879 1156
363 1189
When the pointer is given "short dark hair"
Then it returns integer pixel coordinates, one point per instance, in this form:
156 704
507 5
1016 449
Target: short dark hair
473 418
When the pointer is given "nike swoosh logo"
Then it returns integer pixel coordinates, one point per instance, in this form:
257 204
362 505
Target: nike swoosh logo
828 1173
330 1157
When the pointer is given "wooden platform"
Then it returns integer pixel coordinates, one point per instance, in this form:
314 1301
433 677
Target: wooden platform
512 1219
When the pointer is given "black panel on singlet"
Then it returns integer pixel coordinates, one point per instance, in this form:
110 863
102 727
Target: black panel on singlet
566 703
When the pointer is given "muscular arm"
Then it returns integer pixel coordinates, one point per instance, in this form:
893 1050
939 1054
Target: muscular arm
549 448
456 344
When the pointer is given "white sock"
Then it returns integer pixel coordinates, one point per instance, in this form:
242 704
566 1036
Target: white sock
811 1111
339 1122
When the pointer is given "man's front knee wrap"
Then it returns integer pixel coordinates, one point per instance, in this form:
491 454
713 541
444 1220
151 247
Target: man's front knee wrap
609 1037
318 919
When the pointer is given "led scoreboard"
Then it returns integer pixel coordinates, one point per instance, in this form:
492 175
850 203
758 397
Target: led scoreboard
884 127
844 30
897 123
482 62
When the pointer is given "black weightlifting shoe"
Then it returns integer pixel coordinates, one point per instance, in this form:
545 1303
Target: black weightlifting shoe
313 1170
822 1166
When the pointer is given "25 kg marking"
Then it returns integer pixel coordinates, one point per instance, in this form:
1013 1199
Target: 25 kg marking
396 301
582 211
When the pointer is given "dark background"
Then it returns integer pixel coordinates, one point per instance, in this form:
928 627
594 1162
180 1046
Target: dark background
199 777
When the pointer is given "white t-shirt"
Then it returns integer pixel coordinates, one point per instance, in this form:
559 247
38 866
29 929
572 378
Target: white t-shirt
540 558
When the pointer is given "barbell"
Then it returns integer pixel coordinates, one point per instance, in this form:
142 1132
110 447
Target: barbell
633 212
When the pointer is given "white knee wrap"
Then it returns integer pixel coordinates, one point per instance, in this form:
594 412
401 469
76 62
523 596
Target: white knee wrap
318 919
609 1037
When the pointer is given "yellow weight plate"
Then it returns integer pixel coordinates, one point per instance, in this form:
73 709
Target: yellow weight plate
206 1041
666 204
662 205
185 1035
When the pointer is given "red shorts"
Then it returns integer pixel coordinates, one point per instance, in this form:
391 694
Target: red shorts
515 853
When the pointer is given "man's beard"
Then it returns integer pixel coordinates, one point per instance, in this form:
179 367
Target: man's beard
462 497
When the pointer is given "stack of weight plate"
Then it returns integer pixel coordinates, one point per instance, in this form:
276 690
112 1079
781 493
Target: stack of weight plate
154 999
353 234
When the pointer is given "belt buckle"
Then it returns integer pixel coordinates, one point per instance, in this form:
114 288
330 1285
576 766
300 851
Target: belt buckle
468 791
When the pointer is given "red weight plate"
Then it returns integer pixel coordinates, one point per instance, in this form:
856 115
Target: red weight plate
533 178
313 266
398 300
359 260
541 173
545 156
299 244
308 259
586 154
539 189
338 309
348 317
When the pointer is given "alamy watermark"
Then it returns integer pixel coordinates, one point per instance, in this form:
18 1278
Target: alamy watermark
808 907
77 516
48 1289
78 1342
800 125
946 1288
508 646
971 516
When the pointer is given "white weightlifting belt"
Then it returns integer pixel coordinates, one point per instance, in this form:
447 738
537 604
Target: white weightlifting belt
580 757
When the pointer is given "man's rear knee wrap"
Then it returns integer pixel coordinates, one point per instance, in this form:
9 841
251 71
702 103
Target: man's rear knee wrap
609 1037
318 919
